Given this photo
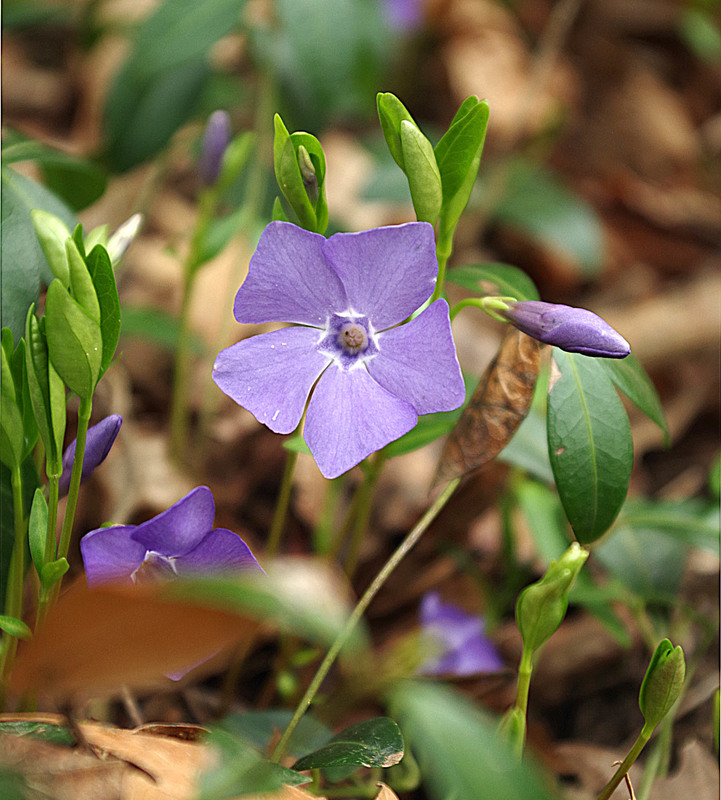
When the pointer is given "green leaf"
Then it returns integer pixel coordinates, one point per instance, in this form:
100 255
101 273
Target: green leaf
23 261
374 743
429 428
291 185
74 341
44 731
38 529
424 179
630 377
258 728
52 572
494 279
81 284
535 203
458 154
391 113
101 272
12 435
52 234
589 444
458 749
15 627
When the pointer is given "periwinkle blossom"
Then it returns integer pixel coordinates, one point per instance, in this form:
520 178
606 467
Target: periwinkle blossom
576 330
98 442
212 148
346 295
466 650
181 541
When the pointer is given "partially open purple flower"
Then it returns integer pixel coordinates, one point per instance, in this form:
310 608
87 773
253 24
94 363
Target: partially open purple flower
466 650
347 295
576 330
212 149
99 440
179 541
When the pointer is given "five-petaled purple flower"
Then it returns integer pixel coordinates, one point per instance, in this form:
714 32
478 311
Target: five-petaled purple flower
179 541
576 330
466 651
99 440
347 295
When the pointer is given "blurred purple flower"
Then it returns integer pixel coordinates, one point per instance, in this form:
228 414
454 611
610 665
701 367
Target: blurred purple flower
466 650
212 149
576 330
403 15
347 295
179 541
99 440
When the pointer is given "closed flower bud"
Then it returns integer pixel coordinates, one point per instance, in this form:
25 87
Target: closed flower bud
99 440
123 237
575 330
541 607
663 683
212 149
307 173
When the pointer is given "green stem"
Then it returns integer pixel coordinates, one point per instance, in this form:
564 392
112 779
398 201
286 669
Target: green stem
403 549
16 574
347 521
322 533
363 511
444 248
525 670
50 538
281 508
84 412
633 754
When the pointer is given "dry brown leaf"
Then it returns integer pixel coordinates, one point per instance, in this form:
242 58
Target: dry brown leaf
97 640
386 793
697 776
496 409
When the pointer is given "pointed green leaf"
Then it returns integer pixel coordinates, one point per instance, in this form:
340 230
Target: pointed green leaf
424 179
15 627
81 283
98 235
631 378
374 743
494 279
589 444
74 339
38 529
36 355
101 272
391 113
52 233
291 184
52 572
278 211
280 139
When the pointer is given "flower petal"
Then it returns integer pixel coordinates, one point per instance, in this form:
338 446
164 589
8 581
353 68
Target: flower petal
387 272
180 528
110 554
417 361
98 442
271 375
221 550
351 416
289 279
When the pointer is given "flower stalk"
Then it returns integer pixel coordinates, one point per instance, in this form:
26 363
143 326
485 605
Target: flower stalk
281 508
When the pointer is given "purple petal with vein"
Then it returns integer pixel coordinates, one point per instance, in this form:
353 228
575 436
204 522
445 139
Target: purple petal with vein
351 416
271 375
220 551
98 442
110 554
289 279
181 527
417 362
387 272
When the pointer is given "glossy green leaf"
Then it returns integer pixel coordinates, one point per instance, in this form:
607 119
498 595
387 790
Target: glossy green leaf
52 234
239 770
74 339
101 272
15 627
458 749
38 529
589 444
259 728
535 203
373 743
81 284
458 154
631 378
23 261
424 179
494 279
391 113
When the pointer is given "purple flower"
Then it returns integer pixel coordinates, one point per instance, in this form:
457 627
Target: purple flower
99 440
576 330
215 140
347 295
403 15
466 650
179 541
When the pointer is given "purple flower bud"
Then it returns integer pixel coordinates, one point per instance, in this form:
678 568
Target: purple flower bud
97 446
215 139
575 330
466 651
